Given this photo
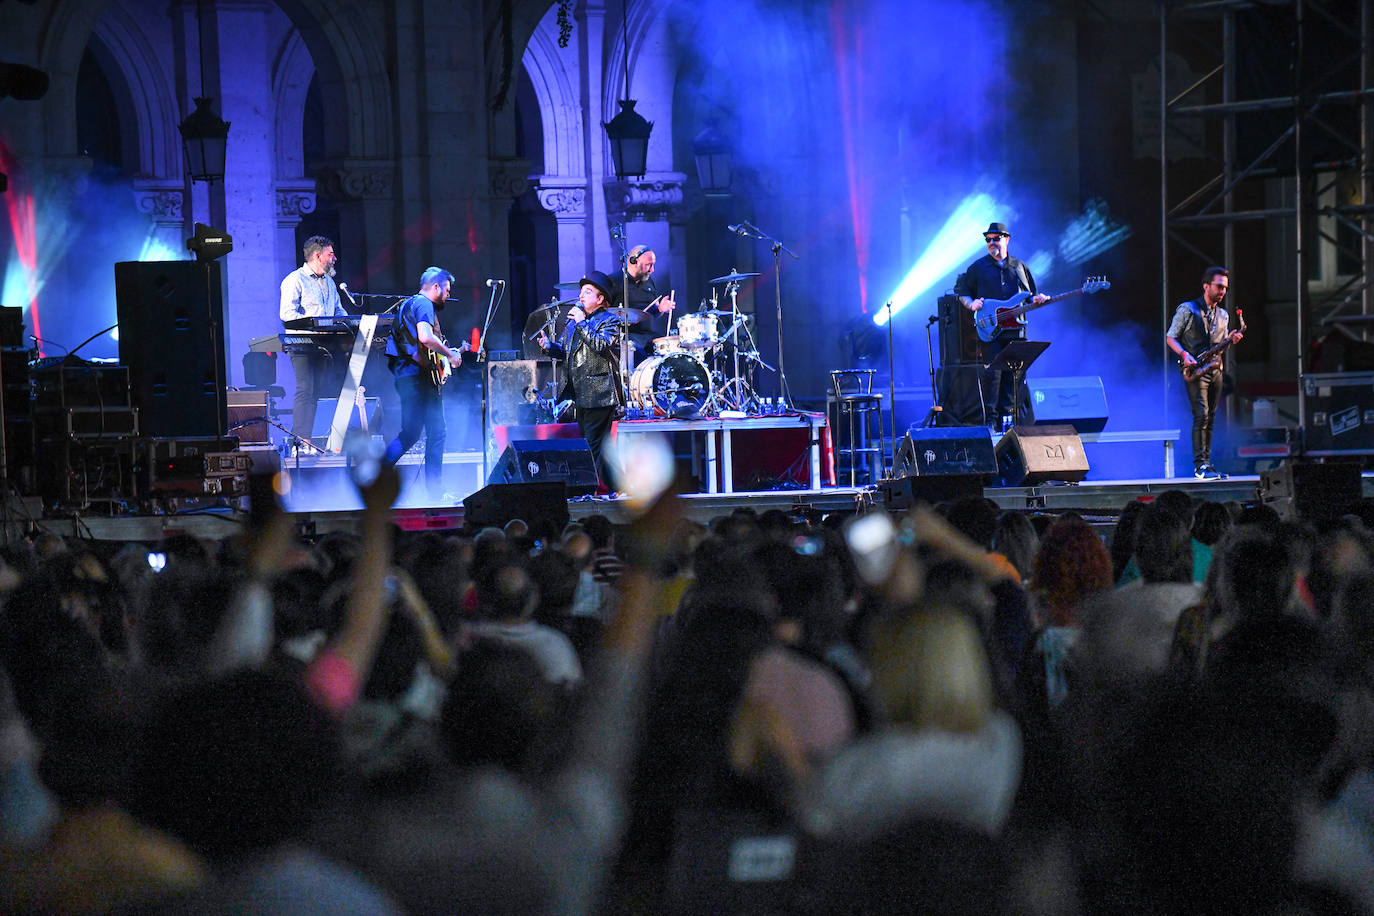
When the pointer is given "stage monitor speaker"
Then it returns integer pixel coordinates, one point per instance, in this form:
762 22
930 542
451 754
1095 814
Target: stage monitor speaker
1031 455
171 338
1078 401
1311 490
945 450
513 391
542 506
959 343
324 416
568 461
903 491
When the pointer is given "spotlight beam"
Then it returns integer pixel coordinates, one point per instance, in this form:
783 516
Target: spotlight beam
957 240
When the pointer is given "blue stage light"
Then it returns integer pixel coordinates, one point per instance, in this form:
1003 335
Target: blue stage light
954 246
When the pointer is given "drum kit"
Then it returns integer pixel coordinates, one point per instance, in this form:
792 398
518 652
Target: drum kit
702 367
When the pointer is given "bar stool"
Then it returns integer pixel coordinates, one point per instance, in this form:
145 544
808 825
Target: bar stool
855 403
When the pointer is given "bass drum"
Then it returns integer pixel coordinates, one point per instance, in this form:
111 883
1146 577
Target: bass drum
672 384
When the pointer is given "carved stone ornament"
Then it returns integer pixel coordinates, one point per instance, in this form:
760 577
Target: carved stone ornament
509 177
649 199
293 203
160 203
563 203
360 182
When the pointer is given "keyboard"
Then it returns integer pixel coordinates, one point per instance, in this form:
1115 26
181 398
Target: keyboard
311 334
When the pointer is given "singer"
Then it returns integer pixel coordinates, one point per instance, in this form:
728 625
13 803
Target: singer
306 293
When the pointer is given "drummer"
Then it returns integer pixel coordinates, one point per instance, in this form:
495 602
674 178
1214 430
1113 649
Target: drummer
643 295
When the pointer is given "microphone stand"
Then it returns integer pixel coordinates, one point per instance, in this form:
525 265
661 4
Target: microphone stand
498 292
623 254
936 412
777 247
891 391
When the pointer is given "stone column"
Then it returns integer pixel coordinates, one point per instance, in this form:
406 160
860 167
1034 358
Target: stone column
648 206
163 202
566 198
295 199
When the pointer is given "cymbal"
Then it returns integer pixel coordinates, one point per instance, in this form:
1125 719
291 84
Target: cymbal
629 316
568 284
734 277
556 305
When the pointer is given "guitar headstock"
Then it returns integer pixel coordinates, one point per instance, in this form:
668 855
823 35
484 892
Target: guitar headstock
1095 284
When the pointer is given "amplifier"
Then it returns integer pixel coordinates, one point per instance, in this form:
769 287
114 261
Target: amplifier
1030 455
925 452
208 464
1077 401
86 423
94 386
1312 490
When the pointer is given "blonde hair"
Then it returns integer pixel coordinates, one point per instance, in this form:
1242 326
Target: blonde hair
931 671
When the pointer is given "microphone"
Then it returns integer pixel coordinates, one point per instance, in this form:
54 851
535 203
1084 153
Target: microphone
491 283
931 320
343 288
740 229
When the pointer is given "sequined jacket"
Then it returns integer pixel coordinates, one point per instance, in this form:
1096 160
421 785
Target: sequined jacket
589 346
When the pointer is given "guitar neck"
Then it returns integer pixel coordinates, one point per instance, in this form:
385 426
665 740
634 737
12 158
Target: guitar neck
1023 309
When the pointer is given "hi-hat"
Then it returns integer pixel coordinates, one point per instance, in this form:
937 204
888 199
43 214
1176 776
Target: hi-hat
629 316
734 276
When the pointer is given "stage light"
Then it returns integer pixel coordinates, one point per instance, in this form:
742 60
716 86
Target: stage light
1039 264
954 247
1092 232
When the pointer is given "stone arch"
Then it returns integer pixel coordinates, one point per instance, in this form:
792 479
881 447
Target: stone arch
291 74
63 41
560 103
345 46
150 95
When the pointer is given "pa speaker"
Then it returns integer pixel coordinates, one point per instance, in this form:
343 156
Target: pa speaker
903 491
171 337
1078 401
543 506
937 451
568 461
1030 455
959 343
1312 491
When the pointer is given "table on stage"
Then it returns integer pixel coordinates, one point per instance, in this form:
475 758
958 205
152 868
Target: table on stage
713 443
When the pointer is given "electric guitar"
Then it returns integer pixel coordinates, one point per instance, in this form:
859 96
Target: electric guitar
360 402
1210 358
439 366
1009 314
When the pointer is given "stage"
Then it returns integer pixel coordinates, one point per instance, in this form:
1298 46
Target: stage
1100 501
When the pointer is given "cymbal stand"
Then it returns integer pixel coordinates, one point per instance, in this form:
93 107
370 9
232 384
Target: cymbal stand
777 248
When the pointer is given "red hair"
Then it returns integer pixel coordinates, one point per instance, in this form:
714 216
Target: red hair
1072 564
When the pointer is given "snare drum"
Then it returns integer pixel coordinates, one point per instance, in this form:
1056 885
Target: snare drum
697 331
663 384
666 346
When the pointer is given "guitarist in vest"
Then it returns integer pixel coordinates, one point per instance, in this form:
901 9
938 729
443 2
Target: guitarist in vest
1198 325
414 336
997 276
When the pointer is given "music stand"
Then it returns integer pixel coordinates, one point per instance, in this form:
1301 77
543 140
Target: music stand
1017 357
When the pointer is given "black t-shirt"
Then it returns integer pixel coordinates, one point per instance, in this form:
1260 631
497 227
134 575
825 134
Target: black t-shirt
404 344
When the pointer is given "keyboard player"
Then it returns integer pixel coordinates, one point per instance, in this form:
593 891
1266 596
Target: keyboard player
305 294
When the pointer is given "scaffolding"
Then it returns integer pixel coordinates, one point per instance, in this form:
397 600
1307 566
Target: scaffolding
1294 137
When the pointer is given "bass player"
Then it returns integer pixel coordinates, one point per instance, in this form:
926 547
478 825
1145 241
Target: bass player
1201 325
412 350
996 276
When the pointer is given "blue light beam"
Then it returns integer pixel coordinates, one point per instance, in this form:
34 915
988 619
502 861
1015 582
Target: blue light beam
957 241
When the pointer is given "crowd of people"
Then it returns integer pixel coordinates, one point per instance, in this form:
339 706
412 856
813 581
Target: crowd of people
967 710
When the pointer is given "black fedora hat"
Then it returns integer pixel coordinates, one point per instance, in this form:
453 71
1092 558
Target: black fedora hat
996 229
600 281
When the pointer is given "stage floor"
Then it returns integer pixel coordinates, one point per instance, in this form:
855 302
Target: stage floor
1100 500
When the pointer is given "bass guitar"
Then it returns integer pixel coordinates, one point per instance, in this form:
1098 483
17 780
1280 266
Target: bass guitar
1210 358
440 368
1009 314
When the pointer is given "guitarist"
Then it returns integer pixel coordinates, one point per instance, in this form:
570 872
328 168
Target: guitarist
997 275
1199 324
414 337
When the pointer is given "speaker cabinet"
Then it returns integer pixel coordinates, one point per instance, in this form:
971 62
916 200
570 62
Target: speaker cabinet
945 450
902 492
568 461
513 391
959 343
1030 455
1078 401
171 337
1310 490
543 506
